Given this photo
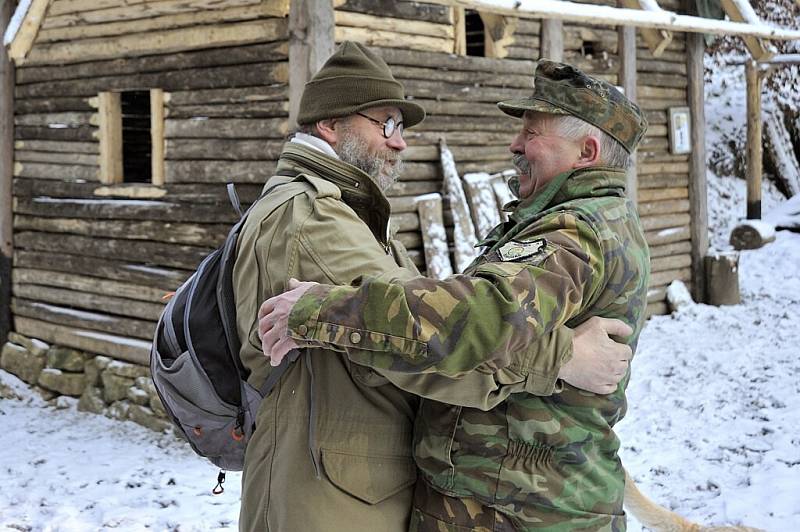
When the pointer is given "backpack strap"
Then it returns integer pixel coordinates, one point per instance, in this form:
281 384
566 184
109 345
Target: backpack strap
278 372
233 197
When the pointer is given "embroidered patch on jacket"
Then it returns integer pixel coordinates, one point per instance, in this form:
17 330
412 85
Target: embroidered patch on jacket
512 251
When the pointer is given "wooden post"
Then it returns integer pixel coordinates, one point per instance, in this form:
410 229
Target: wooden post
722 271
754 151
311 42
627 78
157 136
552 40
110 131
6 174
434 237
698 189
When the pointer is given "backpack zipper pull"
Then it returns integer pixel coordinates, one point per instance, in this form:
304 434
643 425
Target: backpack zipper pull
218 489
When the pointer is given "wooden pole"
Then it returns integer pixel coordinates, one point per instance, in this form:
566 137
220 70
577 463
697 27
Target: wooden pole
627 78
754 151
698 189
157 136
552 40
6 174
311 42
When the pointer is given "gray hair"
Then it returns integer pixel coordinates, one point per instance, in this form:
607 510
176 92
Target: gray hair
612 153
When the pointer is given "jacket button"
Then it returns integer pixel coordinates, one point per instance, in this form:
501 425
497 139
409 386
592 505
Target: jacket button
355 337
302 330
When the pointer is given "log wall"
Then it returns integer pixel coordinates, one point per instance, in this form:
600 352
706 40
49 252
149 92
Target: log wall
92 262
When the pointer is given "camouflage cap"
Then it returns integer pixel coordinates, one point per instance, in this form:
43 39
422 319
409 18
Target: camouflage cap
562 89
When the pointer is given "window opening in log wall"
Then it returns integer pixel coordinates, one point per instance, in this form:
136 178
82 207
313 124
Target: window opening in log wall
475 33
137 145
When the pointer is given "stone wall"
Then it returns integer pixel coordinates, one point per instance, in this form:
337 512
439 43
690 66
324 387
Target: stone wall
100 384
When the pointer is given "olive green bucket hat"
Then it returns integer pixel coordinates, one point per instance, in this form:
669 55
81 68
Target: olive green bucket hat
353 79
562 89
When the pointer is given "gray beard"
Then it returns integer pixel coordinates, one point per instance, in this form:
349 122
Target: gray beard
353 149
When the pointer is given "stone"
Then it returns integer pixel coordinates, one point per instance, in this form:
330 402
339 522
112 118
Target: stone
114 386
64 383
64 402
138 396
19 361
124 369
66 359
34 346
146 384
92 400
92 372
157 406
147 418
119 410
46 394
102 362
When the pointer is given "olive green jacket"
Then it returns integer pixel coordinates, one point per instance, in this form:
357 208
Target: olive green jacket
332 446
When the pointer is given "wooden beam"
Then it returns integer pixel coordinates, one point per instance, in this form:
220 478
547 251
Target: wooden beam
628 80
460 33
26 34
742 11
498 34
157 136
311 43
698 189
110 117
434 237
552 40
6 175
754 148
657 40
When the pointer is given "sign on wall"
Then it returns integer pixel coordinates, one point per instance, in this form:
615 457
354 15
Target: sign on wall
680 137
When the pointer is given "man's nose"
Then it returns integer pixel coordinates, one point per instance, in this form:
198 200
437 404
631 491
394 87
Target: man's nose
396 141
516 145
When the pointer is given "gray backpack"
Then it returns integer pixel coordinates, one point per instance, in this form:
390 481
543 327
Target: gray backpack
195 365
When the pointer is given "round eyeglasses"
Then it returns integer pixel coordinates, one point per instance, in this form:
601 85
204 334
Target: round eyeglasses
389 126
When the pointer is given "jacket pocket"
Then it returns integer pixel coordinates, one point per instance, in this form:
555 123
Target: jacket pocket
371 479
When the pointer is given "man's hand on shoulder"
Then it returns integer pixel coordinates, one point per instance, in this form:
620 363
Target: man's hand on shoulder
598 362
273 321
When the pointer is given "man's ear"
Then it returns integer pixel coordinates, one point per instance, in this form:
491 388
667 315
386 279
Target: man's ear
328 130
590 152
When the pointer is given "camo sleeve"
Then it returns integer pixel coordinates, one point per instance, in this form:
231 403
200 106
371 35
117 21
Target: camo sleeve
488 320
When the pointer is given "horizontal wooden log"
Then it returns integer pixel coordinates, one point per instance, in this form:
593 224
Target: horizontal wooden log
208 235
83 319
415 137
82 159
223 149
56 171
232 110
661 221
663 207
660 67
214 57
654 144
385 22
194 78
667 235
151 253
673 262
84 283
163 41
529 26
599 66
411 239
114 346
439 14
413 188
662 80
52 105
194 193
57 30
60 7
649 104
667 276
421 171
661 156
403 204
656 130
647 91
69 134
372 37
460 153
447 123
466 77
105 12
92 148
488 166
675 248
664 181
84 300
232 128
661 194
521 53
525 41
239 95
218 171
656 309
407 221
163 279
663 168
123 210
420 59
656 294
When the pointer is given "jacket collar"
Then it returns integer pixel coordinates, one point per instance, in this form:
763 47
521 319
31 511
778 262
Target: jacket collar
358 190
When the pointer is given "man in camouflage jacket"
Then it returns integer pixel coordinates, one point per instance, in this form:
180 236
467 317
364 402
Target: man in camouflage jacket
573 248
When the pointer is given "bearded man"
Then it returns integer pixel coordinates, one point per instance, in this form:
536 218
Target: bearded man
332 445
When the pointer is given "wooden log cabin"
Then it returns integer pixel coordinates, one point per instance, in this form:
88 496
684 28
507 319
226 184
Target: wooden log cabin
125 118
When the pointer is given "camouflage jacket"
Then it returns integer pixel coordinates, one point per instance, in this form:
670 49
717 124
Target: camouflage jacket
572 251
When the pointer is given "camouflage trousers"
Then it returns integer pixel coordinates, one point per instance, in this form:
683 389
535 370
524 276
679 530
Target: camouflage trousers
436 512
